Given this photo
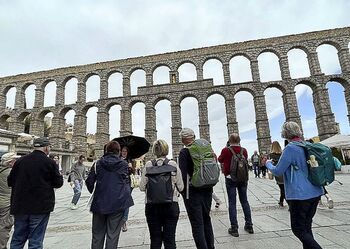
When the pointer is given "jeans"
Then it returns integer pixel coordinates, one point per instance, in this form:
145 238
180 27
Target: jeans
78 185
106 226
232 188
301 214
256 169
162 221
198 210
30 227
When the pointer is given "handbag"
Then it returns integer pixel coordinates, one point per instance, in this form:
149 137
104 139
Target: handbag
134 181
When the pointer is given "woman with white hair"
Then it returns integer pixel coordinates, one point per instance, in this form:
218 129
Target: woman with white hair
301 195
6 220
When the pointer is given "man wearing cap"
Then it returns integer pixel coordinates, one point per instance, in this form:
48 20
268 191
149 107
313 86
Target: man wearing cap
198 201
6 220
33 178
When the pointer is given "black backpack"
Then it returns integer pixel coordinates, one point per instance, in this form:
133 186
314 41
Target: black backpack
159 186
238 167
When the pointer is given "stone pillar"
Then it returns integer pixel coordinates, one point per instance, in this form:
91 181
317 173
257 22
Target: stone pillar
104 87
2 98
254 66
60 94
284 66
81 98
314 64
232 124
149 79
20 100
226 72
344 59
175 129
262 124
15 125
291 110
150 126
125 122
126 86
347 100
199 70
102 134
57 137
36 127
79 134
39 98
325 120
203 120
174 77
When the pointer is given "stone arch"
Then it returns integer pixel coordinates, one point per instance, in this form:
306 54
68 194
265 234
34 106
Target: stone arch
4 121
329 42
187 74
240 66
163 124
328 58
11 97
212 57
92 84
161 64
243 88
159 98
190 119
138 114
279 85
113 71
213 68
115 84
269 67
91 120
162 71
29 95
62 113
298 63
41 115
114 118
85 109
47 81
50 93
302 47
243 54
137 79
70 86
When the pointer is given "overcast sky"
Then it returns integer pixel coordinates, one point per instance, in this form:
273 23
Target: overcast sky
40 35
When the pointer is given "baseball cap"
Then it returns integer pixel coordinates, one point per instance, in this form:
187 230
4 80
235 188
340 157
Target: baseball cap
41 142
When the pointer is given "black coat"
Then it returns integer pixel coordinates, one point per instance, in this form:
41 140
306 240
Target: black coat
112 188
33 178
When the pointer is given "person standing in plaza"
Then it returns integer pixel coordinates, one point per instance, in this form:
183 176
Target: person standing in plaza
197 200
112 196
256 163
77 176
232 186
56 158
6 220
162 218
302 196
33 179
275 154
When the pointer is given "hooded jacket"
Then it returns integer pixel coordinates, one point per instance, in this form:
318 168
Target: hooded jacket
112 189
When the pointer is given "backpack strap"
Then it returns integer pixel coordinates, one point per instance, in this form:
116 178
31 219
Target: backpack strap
5 168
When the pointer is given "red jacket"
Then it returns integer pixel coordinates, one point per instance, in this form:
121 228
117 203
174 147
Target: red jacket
226 155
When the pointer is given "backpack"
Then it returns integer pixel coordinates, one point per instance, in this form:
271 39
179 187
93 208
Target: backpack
238 166
320 162
160 186
206 171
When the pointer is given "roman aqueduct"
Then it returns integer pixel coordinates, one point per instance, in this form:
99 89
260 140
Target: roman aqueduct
175 91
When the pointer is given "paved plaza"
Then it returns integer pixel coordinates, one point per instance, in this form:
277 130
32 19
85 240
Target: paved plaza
72 228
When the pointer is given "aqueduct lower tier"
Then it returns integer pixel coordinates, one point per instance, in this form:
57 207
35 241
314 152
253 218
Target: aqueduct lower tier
176 91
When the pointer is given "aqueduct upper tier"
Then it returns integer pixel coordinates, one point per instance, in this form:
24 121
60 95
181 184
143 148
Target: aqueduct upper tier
175 91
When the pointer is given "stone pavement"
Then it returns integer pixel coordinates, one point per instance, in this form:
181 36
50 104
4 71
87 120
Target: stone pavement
72 228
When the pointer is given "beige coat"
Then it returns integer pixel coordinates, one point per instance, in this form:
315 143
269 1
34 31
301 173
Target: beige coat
178 184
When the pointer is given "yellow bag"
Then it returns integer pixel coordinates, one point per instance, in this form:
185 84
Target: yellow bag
135 181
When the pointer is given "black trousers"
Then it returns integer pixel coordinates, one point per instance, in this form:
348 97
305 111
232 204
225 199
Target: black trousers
162 221
282 194
301 214
198 210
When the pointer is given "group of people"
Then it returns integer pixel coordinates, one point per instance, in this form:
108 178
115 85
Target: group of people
33 177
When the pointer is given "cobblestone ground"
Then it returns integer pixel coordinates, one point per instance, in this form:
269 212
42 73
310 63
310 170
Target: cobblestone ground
72 228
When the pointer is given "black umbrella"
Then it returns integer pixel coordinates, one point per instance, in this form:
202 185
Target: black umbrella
137 146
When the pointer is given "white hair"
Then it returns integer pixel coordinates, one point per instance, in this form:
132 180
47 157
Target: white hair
291 130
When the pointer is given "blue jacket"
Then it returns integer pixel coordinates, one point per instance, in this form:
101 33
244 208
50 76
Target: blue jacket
293 166
112 189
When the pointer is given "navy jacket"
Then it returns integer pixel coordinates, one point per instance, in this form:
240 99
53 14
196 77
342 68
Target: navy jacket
112 189
33 178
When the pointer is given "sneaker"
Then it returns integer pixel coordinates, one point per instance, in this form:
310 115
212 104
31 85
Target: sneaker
233 231
330 203
280 204
125 227
73 207
249 229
